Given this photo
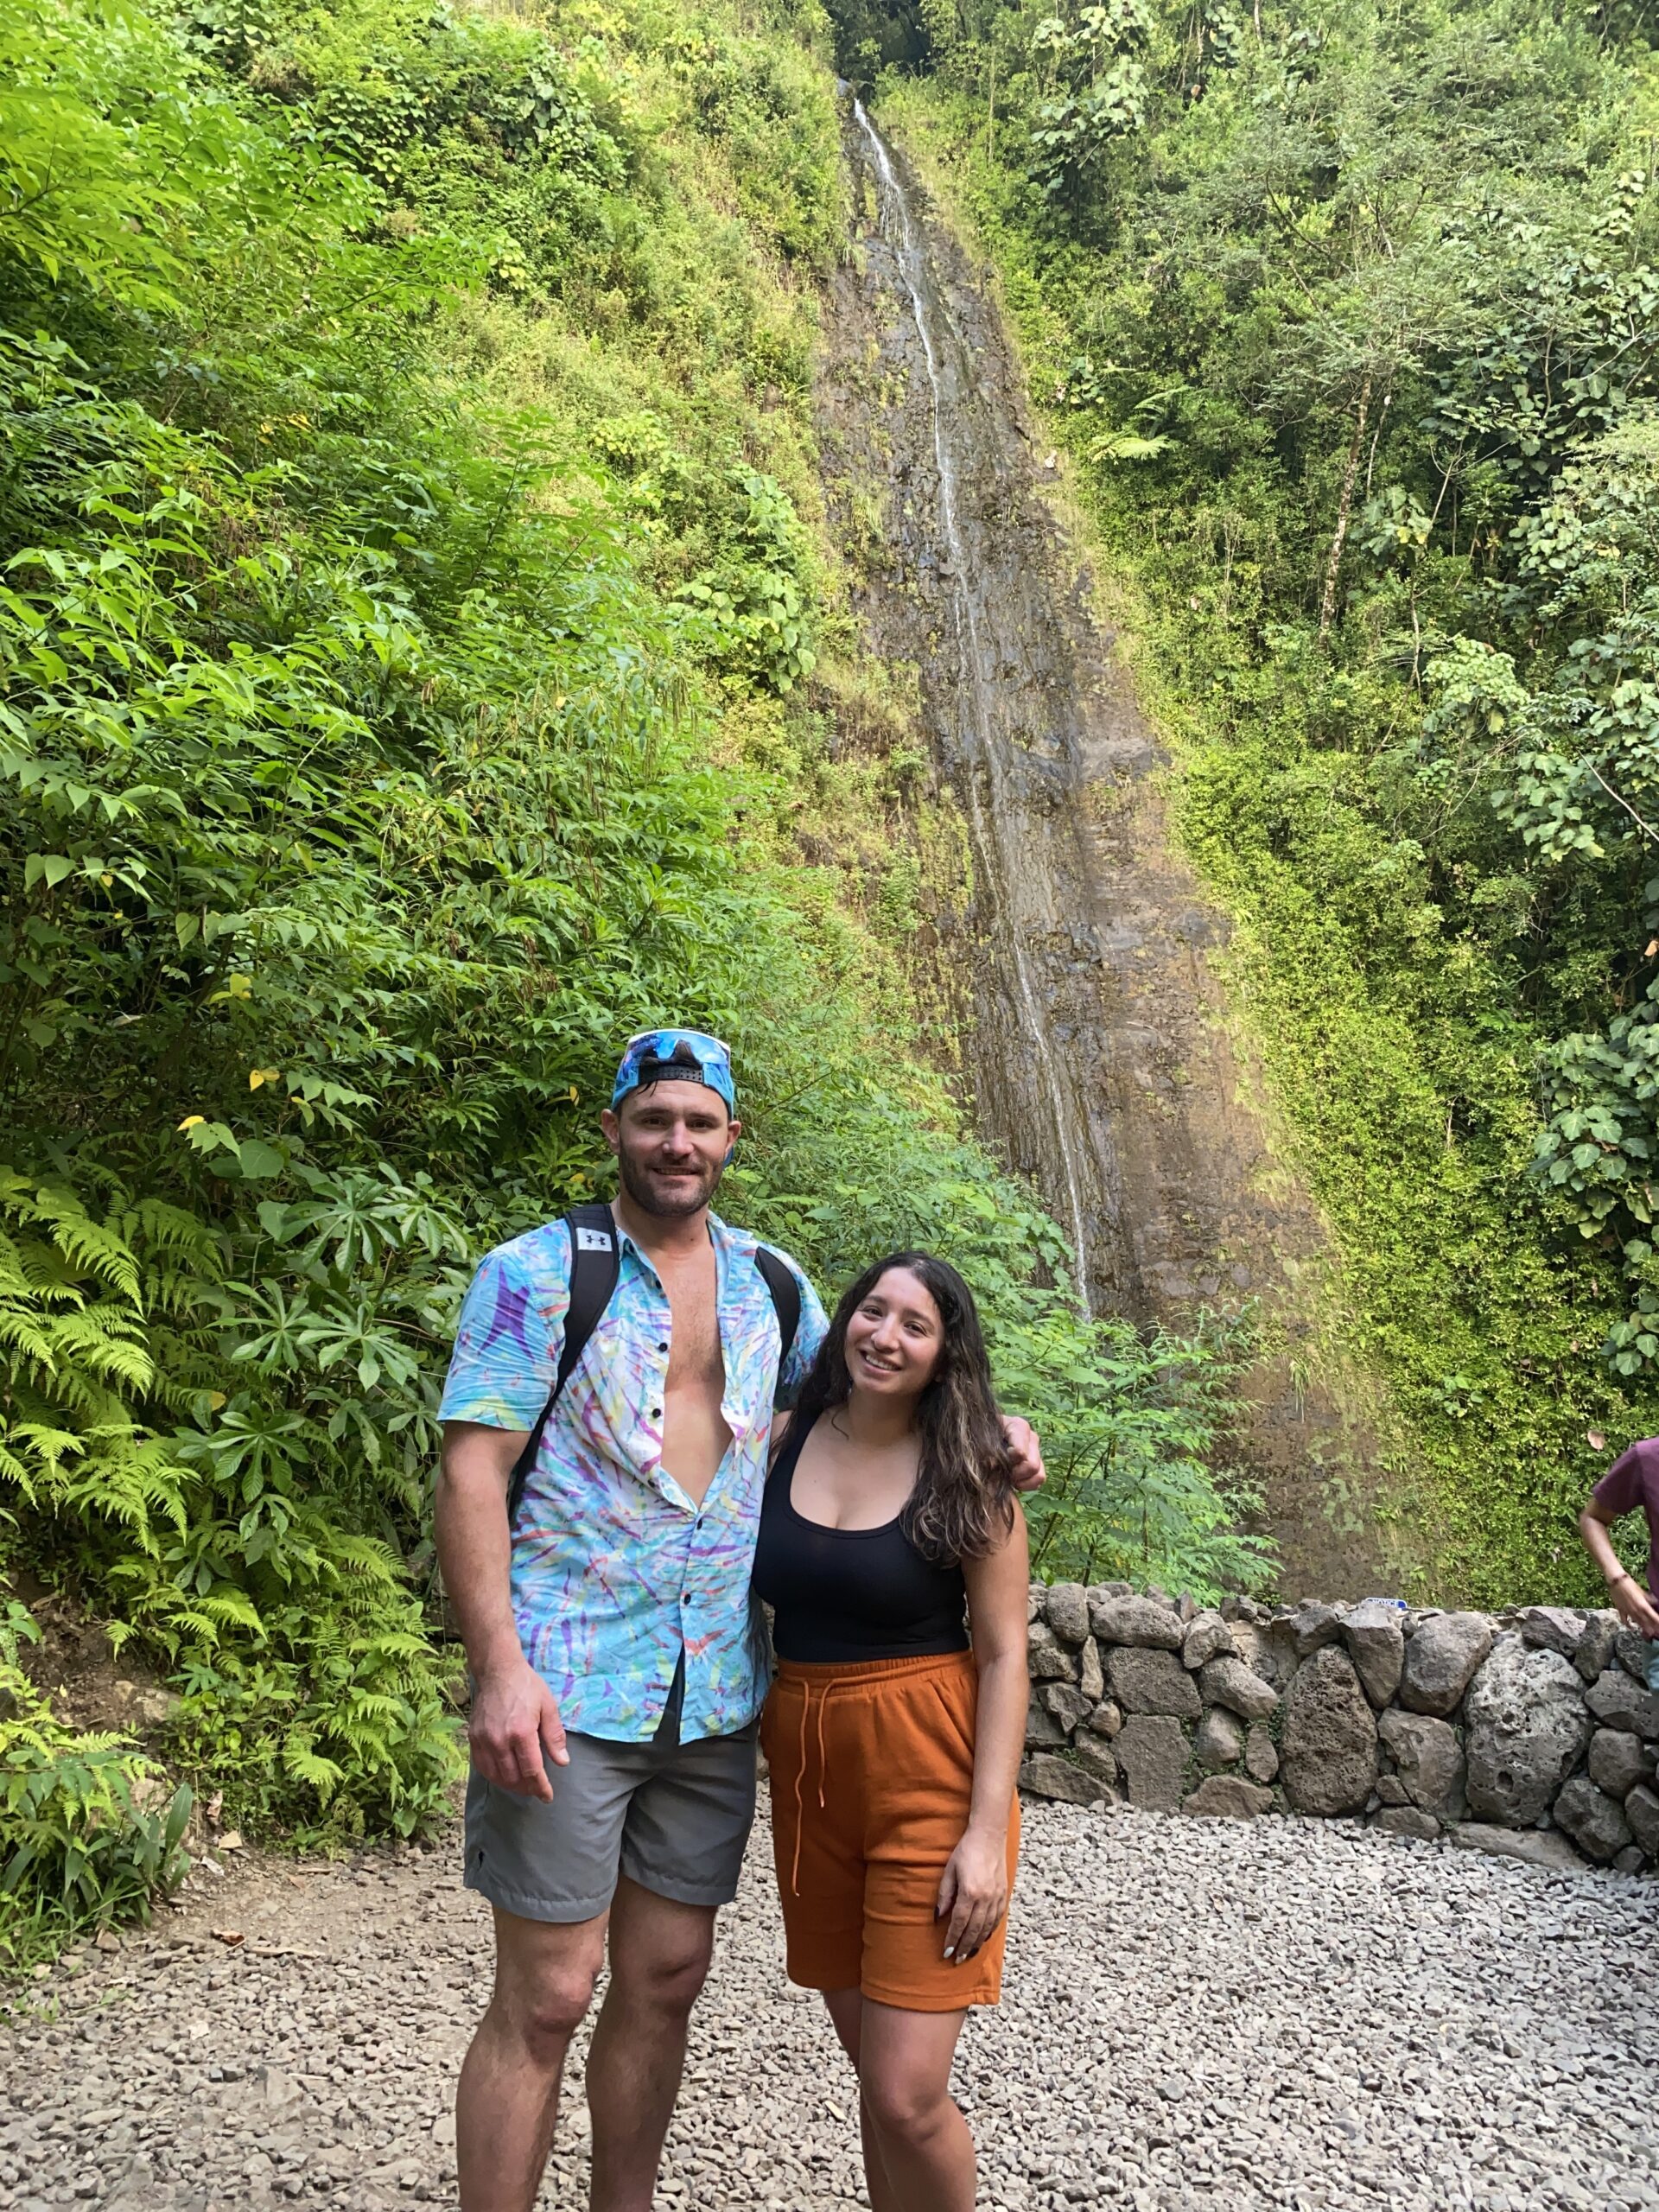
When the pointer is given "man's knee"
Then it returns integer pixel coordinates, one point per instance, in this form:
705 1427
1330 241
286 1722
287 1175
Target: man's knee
542 2011
668 1979
544 1977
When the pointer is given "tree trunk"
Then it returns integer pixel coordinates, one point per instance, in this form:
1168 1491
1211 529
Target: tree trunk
1344 509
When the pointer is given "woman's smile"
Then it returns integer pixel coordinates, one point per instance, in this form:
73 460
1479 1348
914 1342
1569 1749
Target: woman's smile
893 1335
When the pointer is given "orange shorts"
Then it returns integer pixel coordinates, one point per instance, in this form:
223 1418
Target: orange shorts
872 1768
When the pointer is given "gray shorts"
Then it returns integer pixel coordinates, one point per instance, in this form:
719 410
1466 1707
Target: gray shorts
673 1817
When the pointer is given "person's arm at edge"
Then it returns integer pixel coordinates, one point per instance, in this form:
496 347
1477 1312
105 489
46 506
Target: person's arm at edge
975 1887
514 1716
1631 1602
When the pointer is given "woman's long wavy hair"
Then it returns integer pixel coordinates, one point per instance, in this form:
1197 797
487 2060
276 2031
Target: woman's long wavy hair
962 1505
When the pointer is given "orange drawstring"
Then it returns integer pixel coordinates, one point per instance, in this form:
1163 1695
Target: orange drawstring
824 1688
800 1767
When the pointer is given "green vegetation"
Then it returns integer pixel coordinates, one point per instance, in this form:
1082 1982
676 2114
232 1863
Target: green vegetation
418 663
1346 317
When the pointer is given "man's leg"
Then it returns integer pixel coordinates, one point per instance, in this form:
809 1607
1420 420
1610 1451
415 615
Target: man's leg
659 1956
509 2093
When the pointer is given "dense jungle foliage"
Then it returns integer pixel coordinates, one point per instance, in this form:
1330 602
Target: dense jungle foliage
420 667
1346 315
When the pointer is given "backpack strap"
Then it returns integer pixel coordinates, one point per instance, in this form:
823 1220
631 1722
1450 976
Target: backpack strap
595 1262
780 1280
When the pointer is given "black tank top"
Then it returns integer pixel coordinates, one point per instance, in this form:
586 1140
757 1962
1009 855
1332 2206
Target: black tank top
845 1594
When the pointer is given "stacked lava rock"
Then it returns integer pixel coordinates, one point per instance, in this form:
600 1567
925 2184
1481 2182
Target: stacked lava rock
1529 1734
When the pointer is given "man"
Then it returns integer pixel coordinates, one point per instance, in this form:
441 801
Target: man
617 1671
1631 1481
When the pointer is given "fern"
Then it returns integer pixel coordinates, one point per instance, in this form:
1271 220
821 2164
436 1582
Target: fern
89 1832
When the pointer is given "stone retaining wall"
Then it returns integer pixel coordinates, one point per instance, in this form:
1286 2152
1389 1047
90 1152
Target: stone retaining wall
1529 1734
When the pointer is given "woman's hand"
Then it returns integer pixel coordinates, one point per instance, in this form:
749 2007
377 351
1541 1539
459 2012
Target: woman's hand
974 1890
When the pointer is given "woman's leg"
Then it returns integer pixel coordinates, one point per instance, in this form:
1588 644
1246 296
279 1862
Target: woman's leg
846 2011
922 2145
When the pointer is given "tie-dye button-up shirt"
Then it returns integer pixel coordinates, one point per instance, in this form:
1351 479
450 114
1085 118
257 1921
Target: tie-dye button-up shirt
616 1570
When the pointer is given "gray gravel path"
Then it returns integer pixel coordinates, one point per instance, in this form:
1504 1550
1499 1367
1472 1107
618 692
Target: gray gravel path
1198 2013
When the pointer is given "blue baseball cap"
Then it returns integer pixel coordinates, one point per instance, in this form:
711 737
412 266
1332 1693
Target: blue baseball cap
676 1056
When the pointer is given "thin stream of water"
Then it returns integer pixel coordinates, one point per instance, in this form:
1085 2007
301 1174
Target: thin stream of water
904 234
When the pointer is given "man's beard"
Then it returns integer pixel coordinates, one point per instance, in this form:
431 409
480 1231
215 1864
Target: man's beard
638 1184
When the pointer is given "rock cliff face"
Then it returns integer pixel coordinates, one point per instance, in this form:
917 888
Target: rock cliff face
1079 959
1532 1734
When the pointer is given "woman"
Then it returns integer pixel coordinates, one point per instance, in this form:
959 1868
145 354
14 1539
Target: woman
892 1746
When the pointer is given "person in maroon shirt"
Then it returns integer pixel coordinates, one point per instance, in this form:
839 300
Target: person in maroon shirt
1631 1481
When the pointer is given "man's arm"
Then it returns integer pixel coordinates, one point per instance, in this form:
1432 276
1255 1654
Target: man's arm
1634 1606
1028 1472
514 1716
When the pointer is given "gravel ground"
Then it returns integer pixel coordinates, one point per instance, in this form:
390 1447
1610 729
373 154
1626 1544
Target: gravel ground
1286 2014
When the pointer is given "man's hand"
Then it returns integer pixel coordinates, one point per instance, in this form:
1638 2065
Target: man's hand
1634 1606
1028 1471
515 1719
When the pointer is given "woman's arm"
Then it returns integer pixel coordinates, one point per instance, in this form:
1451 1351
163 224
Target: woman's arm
975 1888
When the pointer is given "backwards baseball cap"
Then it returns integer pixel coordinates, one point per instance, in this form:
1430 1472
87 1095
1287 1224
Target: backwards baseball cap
676 1056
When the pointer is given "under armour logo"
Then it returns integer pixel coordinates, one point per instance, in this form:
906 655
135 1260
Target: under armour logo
593 1240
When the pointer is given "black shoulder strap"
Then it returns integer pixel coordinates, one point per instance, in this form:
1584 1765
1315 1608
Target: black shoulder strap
594 1261
779 1279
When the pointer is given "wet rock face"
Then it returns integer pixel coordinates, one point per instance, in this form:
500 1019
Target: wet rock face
1527 1728
1074 953
1329 1748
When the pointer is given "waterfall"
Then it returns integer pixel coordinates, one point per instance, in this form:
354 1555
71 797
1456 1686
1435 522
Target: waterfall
946 358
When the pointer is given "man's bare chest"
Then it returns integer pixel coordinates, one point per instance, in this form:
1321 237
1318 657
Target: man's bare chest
694 1359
